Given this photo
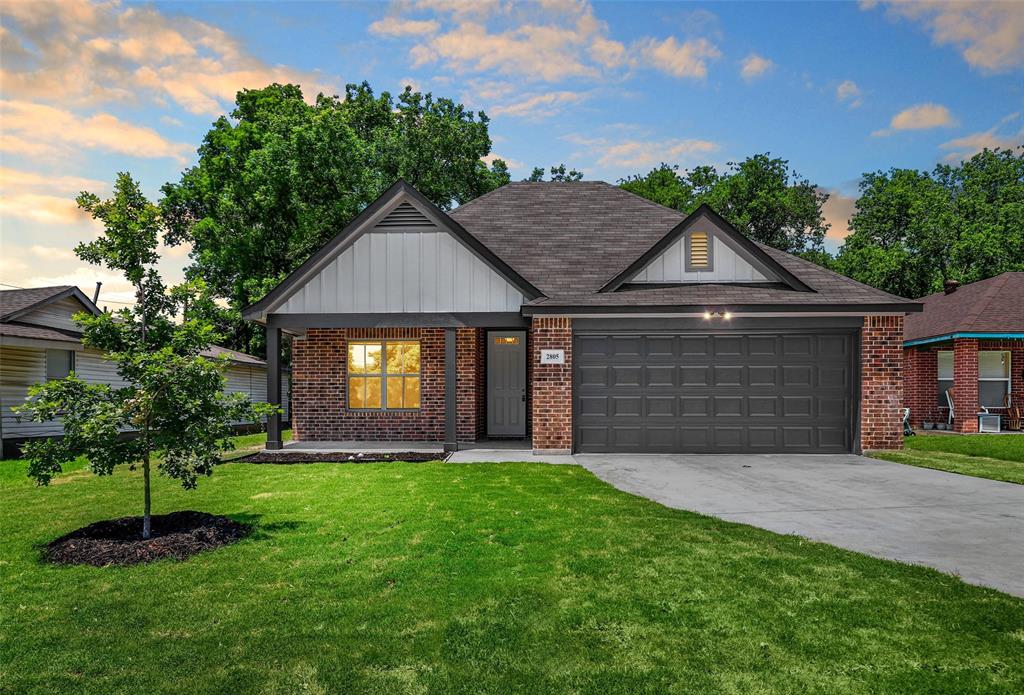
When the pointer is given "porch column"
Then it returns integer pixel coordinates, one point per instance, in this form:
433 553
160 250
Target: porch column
965 385
450 386
274 386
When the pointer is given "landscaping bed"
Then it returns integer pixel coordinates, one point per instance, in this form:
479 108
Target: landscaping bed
178 535
339 457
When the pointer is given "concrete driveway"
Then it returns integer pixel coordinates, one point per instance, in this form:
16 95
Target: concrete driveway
970 527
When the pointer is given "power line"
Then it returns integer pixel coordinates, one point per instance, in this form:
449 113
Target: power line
99 300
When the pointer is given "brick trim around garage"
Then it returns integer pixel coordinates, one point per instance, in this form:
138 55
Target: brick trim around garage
551 392
881 361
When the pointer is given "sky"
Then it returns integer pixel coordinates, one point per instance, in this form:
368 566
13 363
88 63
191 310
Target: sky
88 89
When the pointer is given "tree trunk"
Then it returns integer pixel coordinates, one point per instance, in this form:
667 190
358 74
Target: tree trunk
146 504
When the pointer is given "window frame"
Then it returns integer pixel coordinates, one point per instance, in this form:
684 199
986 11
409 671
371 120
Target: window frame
941 395
1005 379
688 250
46 366
383 375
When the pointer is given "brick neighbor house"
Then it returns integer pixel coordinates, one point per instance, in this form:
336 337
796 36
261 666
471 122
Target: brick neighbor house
970 339
582 318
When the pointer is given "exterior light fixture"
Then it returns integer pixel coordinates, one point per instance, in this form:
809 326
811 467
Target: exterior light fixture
707 315
727 316
717 315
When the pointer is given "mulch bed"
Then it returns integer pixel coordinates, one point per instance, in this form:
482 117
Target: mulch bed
340 457
178 535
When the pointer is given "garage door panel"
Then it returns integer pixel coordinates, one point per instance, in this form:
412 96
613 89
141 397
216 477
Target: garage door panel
714 393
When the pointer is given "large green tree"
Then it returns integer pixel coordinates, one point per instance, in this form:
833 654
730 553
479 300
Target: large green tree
280 177
913 230
762 196
172 396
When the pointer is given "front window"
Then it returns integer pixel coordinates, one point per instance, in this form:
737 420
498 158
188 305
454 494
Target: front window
384 375
993 377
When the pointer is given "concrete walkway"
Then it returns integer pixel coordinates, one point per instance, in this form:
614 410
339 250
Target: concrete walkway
961 525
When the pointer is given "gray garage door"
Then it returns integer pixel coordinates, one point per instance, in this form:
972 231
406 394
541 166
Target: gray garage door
680 393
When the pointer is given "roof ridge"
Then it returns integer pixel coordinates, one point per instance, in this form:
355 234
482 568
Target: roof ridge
648 201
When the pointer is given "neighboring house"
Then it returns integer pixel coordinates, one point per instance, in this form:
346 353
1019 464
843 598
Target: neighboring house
586 319
971 339
39 340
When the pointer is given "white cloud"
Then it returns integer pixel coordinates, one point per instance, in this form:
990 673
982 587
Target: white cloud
511 163
641 153
538 106
33 128
754 66
989 35
30 195
686 59
86 54
964 147
838 210
395 26
849 93
919 117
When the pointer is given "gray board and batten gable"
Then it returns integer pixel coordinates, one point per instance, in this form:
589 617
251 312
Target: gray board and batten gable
402 255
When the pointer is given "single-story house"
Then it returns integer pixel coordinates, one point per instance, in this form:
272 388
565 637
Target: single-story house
970 339
39 340
580 317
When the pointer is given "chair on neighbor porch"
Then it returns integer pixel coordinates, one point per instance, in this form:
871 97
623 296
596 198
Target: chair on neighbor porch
908 431
1014 420
949 402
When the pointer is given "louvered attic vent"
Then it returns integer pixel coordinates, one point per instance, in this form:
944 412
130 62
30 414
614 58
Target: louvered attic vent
699 249
405 215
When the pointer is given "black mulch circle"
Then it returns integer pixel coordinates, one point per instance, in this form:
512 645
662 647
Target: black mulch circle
178 535
340 457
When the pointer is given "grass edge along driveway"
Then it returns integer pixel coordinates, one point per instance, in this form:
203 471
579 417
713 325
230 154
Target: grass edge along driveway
493 578
992 456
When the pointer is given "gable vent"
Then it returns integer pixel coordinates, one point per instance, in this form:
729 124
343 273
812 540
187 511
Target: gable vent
405 215
699 249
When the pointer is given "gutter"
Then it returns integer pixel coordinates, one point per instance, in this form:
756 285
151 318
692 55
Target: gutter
953 336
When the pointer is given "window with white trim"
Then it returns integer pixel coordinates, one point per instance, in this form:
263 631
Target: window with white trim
384 375
993 378
945 359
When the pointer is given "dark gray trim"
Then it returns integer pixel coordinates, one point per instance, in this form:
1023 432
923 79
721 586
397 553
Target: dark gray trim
860 309
274 442
497 319
688 253
383 375
450 402
400 187
700 325
857 391
749 249
69 292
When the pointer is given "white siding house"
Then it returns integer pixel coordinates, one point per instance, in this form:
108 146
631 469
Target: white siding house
39 340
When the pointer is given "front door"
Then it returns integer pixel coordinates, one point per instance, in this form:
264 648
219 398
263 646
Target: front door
506 384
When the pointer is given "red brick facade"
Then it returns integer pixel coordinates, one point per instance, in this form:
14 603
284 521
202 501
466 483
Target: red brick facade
319 389
471 384
551 385
881 358
921 379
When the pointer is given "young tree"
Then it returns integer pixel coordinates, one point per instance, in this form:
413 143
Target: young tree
281 177
761 196
173 398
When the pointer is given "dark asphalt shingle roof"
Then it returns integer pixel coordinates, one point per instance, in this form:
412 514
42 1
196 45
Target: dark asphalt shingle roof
570 239
19 330
13 301
995 305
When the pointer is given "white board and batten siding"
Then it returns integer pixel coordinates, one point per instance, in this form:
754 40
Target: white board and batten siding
727 266
404 264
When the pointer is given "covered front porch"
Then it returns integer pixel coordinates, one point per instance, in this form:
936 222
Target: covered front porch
976 382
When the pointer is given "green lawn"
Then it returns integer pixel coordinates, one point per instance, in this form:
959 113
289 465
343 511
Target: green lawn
491 578
995 456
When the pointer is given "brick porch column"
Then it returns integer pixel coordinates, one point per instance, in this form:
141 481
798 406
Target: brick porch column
881 358
551 411
965 384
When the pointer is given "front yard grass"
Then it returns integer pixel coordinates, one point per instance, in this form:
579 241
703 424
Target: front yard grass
995 456
489 578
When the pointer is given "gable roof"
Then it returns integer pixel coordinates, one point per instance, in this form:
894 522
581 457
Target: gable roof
995 305
16 303
758 257
399 191
572 240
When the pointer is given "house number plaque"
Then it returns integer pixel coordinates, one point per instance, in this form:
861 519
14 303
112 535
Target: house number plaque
552 356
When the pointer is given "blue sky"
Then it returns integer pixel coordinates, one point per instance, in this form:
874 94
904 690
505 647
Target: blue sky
611 88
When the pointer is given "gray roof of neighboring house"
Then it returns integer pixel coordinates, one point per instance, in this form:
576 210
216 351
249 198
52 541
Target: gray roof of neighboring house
18 302
571 239
995 305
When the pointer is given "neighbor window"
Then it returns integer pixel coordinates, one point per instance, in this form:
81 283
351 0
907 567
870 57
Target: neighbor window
993 377
59 363
698 251
384 375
